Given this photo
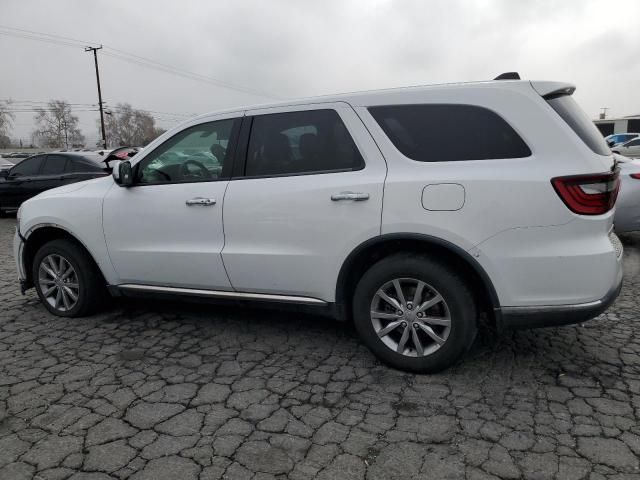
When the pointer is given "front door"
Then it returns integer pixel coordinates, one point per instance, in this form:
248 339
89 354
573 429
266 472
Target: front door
309 194
21 183
166 229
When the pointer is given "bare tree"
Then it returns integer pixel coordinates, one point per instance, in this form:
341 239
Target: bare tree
127 126
6 119
57 127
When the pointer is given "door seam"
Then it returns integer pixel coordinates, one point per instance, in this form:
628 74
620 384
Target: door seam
224 237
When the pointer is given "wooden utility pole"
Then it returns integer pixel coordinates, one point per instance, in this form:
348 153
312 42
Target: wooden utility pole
95 58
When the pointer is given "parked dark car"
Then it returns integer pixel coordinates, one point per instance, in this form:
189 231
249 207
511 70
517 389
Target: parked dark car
19 155
43 172
6 164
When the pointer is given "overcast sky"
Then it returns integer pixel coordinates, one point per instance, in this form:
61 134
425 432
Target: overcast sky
293 48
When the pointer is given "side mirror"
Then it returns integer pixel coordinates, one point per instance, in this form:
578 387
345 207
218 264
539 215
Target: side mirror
123 173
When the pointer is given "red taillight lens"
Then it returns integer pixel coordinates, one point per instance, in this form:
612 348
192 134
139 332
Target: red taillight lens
588 194
635 175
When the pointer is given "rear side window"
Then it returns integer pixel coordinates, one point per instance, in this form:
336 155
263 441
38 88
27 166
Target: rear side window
449 132
574 116
301 142
54 165
82 165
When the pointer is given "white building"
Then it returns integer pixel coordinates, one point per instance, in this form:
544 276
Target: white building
608 126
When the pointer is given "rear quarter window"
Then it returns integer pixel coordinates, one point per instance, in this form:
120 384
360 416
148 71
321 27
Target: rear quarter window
574 116
449 132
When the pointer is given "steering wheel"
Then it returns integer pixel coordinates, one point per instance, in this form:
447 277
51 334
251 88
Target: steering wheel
186 173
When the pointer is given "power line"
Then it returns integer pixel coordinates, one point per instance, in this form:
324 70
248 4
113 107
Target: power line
13 100
77 42
141 61
33 110
22 104
129 57
183 115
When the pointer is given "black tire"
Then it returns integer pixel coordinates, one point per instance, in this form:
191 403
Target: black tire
447 282
91 288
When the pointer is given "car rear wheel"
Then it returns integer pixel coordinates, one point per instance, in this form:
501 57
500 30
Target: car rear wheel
415 313
66 279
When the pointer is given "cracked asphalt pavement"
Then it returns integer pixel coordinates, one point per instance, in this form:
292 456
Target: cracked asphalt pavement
151 390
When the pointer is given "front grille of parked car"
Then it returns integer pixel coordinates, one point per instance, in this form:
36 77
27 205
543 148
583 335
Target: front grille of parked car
617 244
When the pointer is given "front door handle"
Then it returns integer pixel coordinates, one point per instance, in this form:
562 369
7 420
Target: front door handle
355 196
204 202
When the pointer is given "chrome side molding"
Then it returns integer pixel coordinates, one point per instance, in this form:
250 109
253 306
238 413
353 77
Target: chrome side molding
220 294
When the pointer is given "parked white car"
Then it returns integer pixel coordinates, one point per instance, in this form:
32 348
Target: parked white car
629 149
409 210
619 138
627 217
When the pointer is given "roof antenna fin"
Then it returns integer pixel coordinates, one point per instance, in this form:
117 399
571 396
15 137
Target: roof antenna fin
508 76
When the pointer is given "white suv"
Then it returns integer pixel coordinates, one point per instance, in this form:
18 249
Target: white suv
411 211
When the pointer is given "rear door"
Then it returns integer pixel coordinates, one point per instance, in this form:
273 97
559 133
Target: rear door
51 174
308 193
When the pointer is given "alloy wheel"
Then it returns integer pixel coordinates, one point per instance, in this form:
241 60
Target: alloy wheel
410 317
58 282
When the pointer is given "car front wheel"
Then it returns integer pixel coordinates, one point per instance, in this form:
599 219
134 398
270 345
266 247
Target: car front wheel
415 313
66 279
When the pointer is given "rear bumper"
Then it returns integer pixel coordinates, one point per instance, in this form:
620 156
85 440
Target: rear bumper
556 315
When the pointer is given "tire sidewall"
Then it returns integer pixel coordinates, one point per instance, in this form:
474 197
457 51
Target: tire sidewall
455 293
63 249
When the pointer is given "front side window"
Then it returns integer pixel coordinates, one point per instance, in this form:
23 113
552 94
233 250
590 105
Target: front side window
54 165
197 154
294 143
449 132
29 166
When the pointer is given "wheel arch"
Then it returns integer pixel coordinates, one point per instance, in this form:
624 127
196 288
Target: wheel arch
41 234
372 250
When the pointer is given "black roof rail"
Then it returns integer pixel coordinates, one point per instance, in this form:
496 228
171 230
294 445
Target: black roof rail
508 76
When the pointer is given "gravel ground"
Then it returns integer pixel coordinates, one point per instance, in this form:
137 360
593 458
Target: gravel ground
161 391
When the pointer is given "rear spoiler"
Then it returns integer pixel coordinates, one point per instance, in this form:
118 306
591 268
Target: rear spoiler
546 90
549 90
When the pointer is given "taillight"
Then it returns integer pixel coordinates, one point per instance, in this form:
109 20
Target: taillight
635 175
588 194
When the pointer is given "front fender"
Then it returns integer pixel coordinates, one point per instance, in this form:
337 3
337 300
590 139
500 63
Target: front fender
77 212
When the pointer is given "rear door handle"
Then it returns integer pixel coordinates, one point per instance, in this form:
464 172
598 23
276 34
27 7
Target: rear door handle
355 196
204 202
